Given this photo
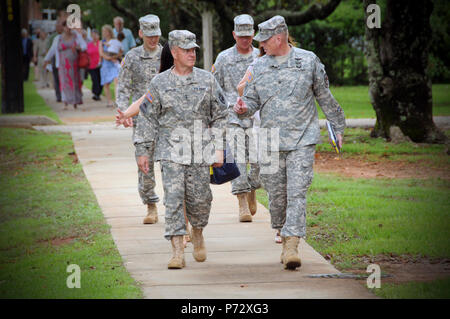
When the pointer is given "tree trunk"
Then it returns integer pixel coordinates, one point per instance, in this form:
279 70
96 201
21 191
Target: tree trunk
11 57
397 58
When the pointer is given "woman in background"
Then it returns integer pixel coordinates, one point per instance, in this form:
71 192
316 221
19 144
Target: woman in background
67 47
93 50
110 51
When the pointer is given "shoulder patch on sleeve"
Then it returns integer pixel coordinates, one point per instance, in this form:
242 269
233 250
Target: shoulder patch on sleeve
250 75
123 62
149 97
213 69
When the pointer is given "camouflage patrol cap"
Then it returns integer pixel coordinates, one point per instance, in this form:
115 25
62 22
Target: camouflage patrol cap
183 39
269 28
243 25
149 25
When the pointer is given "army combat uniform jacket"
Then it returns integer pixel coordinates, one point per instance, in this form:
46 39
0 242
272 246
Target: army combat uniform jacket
174 102
284 93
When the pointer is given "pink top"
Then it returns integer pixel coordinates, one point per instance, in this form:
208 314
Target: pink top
94 55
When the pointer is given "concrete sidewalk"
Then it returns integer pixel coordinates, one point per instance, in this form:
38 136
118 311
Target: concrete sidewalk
243 259
88 112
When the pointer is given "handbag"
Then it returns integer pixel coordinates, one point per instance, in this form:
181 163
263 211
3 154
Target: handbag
83 59
226 173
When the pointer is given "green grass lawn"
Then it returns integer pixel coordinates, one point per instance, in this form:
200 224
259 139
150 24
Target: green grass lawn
50 219
347 217
357 142
34 104
355 101
414 290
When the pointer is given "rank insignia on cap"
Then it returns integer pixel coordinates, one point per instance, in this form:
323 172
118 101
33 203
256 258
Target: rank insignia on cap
213 69
149 97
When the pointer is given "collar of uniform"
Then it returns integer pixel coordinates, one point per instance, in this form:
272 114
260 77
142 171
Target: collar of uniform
290 61
145 55
189 79
239 57
293 61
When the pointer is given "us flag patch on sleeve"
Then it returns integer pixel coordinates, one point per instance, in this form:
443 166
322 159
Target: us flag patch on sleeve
149 97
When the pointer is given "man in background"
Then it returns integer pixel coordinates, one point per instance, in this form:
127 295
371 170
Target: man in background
27 54
139 66
128 42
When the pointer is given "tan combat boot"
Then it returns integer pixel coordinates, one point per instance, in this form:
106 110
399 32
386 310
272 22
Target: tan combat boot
152 214
283 241
251 198
177 261
291 260
244 213
199 252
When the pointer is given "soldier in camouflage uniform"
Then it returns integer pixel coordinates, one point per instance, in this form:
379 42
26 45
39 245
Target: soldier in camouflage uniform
229 68
179 100
283 86
139 66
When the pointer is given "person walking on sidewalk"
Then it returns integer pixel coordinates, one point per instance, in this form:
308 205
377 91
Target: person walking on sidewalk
67 47
94 64
229 68
283 85
139 66
53 58
128 41
40 50
178 100
110 51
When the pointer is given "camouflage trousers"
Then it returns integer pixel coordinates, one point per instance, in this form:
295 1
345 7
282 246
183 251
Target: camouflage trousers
287 190
189 184
249 179
146 182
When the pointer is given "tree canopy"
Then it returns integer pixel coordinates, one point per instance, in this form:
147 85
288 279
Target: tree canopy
333 29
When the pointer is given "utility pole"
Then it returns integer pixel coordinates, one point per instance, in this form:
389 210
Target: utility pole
11 57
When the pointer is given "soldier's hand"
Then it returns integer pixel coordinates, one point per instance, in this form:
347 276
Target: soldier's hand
219 159
128 122
120 118
240 107
143 164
